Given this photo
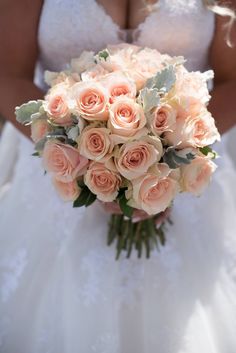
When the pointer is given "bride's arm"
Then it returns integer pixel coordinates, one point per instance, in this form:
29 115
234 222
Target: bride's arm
223 62
19 51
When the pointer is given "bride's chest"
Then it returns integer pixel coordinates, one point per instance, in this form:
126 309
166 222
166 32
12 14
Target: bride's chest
178 27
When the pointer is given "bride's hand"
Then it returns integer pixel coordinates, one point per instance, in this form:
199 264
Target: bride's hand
138 215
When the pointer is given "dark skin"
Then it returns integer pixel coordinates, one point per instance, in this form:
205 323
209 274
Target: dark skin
19 52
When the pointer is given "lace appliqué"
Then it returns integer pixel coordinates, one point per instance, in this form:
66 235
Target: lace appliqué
12 269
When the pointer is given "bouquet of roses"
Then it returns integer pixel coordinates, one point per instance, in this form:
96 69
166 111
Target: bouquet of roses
130 127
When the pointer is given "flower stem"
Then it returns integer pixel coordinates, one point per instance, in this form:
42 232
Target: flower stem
140 235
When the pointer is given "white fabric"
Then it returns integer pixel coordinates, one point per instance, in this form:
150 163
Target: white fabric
60 288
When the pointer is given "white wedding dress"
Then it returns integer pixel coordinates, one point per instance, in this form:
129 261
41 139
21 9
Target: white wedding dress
61 290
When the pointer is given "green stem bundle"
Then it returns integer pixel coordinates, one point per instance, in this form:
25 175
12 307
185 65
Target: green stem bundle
143 236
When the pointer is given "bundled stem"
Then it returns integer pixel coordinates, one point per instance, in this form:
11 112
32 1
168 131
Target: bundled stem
143 236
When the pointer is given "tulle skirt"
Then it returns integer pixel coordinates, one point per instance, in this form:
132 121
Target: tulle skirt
62 291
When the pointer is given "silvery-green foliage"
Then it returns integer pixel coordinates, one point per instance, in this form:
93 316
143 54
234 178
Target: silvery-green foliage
175 158
149 98
163 80
39 146
73 132
26 111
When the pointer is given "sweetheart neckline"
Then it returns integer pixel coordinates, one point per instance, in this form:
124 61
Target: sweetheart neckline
126 33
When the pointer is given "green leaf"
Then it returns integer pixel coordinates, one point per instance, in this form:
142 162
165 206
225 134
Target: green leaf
91 198
125 208
26 110
85 198
208 150
35 154
175 160
149 98
80 183
121 193
163 80
81 200
104 54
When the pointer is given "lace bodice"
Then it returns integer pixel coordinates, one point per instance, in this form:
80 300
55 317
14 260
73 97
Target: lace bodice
178 27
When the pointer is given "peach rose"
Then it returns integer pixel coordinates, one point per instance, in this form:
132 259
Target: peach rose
67 191
118 84
57 105
91 100
163 119
95 143
84 62
152 194
134 158
120 57
63 161
192 84
39 129
102 182
196 176
53 78
194 127
145 65
126 117
94 73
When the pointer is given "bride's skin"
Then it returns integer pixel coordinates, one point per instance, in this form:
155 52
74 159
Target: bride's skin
19 52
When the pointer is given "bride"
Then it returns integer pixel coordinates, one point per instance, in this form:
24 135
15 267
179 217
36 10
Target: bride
61 291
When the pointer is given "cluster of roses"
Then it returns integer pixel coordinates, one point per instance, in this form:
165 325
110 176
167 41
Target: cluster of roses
127 119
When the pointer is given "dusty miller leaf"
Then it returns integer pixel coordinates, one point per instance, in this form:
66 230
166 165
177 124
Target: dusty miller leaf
175 160
163 80
73 132
149 98
26 110
39 146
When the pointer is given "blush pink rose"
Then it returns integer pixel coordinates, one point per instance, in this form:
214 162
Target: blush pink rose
192 84
95 143
163 119
39 129
94 73
57 105
53 78
195 177
152 194
91 100
118 85
134 158
67 191
84 62
63 161
126 117
102 182
145 64
195 127
120 57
